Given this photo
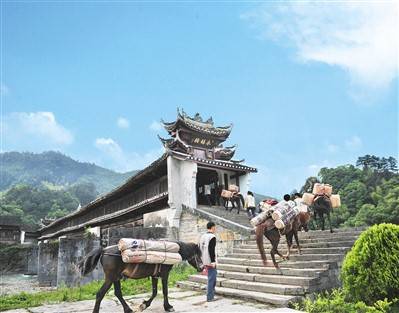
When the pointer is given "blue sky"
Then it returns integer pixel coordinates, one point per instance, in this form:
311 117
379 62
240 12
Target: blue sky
306 85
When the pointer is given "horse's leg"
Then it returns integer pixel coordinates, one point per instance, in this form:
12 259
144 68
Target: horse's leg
147 303
274 239
297 242
100 295
118 294
166 304
329 221
322 220
288 237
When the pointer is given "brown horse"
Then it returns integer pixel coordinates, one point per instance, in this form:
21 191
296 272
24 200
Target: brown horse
115 269
270 231
322 205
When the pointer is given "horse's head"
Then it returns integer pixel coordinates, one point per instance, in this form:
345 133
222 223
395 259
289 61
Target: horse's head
191 253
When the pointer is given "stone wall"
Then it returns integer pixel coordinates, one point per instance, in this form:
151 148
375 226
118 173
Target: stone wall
32 258
192 227
48 263
71 251
18 259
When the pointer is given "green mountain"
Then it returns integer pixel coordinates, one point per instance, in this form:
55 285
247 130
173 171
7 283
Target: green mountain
56 171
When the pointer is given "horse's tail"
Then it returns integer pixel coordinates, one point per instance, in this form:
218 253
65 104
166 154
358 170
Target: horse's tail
259 232
88 264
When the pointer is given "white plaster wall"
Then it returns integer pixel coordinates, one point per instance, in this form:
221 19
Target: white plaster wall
245 181
182 177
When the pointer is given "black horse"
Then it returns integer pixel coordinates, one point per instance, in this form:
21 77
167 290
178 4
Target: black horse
115 269
237 202
322 205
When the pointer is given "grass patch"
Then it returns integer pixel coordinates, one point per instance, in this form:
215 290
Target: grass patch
88 291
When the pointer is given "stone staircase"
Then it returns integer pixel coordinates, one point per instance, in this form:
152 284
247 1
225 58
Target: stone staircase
241 274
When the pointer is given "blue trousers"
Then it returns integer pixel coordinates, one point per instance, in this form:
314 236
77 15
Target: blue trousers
210 290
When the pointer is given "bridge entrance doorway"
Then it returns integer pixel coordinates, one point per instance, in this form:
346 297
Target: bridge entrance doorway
208 187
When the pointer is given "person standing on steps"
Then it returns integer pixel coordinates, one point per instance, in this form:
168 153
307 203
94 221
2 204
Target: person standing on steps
208 249
250 205
207 193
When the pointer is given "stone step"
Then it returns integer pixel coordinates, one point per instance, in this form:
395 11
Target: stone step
321 238
301 241
296 257
263 297
236 260
335 250
274 279
267 270
324 244
252 286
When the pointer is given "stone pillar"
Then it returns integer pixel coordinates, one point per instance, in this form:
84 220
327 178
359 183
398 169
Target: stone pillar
71 252
182 177
32 259
48 262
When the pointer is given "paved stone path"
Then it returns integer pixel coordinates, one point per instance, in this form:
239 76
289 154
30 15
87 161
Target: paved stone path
182 301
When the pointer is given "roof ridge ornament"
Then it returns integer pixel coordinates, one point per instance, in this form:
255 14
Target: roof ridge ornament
209 121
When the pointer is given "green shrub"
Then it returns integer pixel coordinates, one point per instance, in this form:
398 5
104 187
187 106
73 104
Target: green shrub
370 271
335 302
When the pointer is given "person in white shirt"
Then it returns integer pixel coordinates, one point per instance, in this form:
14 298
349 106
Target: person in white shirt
208 249
208 194
250 204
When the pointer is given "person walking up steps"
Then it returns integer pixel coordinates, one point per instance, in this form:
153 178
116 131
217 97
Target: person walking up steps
208 248
250 205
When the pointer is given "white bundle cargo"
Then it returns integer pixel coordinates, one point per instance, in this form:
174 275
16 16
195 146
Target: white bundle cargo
233 188
147 245
335 201
308 198
283 214
279 224
328 189
265 207
259 219
322 189
301 208
150 257
226 194
318 189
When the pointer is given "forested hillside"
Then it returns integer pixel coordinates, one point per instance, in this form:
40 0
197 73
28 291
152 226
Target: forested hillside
369 191
50 184
55 170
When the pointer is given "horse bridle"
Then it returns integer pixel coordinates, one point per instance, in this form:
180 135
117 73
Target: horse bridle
195 257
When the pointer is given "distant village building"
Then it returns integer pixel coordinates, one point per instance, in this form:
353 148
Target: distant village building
13 231
152 203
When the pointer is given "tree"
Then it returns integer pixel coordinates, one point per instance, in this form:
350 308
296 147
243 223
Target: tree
84 192
308 186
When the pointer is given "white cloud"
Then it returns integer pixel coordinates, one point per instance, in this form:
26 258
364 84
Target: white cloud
113 156
155 126
353 143
33 131
359 37
123 122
